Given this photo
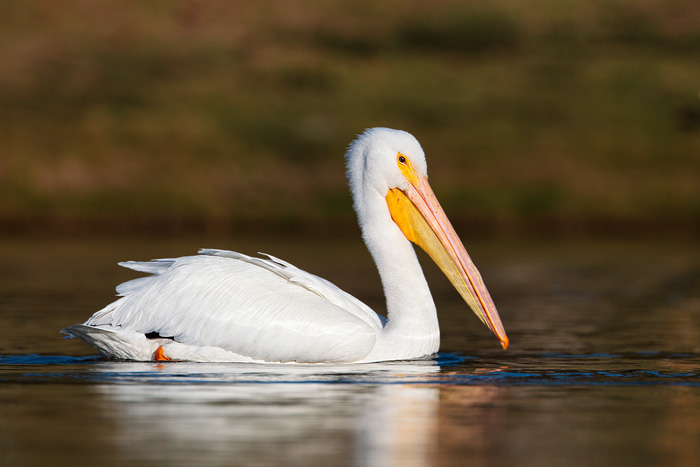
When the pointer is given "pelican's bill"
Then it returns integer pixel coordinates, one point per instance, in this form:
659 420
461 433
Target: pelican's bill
422 220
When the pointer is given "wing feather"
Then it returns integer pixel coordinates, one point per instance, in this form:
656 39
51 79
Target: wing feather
265 309
311 282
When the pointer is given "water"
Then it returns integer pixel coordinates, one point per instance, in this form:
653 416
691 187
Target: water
603 368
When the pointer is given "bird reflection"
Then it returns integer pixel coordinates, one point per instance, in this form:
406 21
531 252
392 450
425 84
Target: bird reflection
376 414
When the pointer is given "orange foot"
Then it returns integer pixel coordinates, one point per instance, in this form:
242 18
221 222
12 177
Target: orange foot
160 355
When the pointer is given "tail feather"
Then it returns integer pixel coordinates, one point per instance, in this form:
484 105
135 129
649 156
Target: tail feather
115 343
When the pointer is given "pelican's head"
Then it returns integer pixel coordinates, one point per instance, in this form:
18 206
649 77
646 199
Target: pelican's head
372 159
391 163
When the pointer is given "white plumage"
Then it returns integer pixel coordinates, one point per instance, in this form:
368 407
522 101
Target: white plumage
226 306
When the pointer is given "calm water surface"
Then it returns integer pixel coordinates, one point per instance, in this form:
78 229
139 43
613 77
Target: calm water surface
603 368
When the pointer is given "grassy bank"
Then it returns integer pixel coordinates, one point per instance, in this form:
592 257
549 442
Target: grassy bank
211 115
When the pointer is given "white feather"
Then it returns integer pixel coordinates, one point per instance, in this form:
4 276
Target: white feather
226 306
236 303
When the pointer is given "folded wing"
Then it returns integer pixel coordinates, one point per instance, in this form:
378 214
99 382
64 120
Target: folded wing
265 309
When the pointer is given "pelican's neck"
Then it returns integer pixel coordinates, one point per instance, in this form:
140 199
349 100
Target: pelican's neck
412 328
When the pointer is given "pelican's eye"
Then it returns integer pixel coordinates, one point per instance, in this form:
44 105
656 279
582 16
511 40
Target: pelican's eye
407 169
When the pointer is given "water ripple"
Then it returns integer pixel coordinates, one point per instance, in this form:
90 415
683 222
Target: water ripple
541 369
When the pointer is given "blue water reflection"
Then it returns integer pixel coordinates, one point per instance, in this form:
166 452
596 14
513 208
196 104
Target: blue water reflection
543 369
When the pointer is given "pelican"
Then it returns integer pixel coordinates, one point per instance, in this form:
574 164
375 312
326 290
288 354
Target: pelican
223 306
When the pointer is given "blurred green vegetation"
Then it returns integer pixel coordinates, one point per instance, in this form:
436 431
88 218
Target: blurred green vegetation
560 115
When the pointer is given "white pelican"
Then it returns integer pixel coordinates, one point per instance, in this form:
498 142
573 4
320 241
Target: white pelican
226 306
